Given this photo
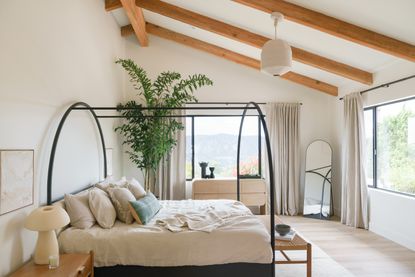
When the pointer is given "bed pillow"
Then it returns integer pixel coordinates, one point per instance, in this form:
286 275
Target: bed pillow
110 182
77 207
102 208
144 209
120 198
136 188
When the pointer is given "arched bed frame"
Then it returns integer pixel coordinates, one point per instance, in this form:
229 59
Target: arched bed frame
237 269
56 140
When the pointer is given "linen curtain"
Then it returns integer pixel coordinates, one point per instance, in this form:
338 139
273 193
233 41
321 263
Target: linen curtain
354 189
283 126
171 174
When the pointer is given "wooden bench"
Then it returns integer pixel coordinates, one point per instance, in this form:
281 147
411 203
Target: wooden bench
298 243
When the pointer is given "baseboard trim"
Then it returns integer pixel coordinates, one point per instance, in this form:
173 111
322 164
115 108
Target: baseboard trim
399 238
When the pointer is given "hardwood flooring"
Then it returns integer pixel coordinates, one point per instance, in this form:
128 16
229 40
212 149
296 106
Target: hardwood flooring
362 252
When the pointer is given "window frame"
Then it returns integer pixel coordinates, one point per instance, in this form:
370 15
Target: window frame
192 146
374 135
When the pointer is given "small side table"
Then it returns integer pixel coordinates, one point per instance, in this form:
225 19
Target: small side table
81 265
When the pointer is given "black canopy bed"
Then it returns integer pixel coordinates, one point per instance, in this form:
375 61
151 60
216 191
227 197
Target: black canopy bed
225 268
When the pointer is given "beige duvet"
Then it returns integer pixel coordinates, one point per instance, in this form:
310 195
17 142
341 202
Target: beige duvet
238 237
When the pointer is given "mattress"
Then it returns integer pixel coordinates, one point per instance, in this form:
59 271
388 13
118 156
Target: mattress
241 238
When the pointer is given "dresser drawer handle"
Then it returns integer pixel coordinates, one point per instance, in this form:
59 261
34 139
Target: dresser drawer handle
81 270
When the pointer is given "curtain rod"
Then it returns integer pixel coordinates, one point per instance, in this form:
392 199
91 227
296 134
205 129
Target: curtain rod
223 103
385 85
165 108
175 116
180 108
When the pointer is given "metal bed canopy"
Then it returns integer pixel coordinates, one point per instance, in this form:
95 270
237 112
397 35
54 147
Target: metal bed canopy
241 106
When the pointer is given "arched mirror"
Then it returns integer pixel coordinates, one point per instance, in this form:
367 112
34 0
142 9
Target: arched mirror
317 193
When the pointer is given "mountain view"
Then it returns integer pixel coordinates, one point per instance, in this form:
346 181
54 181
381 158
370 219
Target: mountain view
219 150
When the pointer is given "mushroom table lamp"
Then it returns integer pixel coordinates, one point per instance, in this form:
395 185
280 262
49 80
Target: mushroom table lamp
45 220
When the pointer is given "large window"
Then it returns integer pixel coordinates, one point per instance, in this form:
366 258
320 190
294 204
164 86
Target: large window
390 142
214 140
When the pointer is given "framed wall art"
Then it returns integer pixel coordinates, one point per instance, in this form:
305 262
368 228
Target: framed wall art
16 179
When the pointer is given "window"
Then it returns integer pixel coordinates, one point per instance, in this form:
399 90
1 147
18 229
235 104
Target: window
369 147
390 142
214 140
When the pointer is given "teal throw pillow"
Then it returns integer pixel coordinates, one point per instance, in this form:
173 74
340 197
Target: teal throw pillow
144 209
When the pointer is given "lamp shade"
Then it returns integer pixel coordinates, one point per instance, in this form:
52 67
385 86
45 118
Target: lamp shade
276 57
47 218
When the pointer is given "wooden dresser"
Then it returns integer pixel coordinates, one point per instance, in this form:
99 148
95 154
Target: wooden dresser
70 265
253 191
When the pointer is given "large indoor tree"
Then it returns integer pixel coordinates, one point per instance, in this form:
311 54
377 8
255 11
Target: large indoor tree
150 133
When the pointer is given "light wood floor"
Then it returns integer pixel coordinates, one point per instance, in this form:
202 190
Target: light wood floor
362 252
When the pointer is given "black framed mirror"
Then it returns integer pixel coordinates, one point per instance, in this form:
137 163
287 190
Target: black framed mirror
318 196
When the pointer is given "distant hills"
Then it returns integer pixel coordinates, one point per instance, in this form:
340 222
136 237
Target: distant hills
220 151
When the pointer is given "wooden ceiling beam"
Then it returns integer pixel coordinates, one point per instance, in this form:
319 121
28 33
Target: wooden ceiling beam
111 5
335 27
244 36
252 39
230 55
136 17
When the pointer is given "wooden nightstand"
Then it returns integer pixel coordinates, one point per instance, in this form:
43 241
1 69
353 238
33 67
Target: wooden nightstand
70 265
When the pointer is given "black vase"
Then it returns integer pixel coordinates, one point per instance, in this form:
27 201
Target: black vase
211 176
203 166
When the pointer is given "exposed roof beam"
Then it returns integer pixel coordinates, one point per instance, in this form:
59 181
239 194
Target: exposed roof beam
111 5
136 17
230 55
335 27
252 39
244 36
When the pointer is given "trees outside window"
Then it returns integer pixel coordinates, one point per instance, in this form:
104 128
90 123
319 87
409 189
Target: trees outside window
390 141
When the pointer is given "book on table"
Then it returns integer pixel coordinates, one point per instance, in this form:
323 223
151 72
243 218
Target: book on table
287 237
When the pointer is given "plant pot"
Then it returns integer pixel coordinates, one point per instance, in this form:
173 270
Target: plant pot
150 179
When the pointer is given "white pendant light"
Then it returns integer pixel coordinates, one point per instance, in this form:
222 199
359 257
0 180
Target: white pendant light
276 55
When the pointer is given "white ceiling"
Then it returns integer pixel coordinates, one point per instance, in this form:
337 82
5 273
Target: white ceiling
392 18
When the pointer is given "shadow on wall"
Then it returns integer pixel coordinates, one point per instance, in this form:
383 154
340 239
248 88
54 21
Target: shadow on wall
13 237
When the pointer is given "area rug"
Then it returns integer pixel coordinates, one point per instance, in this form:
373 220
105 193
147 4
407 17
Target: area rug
322 266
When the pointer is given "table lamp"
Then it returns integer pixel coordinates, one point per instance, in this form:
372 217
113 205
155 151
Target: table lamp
45 220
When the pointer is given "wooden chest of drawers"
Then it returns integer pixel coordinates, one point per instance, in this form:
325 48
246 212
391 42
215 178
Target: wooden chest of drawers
253 191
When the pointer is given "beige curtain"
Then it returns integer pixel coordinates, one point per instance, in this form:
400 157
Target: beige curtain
283 126
171 175
354 189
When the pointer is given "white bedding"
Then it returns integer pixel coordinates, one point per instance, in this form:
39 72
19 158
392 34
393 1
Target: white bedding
240 237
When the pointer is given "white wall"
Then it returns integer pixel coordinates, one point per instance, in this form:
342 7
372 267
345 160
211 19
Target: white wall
54 52
390 214
234 82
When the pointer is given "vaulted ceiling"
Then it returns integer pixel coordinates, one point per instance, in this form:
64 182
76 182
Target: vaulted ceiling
335 43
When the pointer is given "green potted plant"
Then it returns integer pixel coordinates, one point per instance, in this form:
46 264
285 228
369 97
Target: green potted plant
150 133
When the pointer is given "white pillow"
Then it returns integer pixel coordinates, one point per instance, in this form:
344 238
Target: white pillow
102 208
120 197
110 182
136 188
105 183
77 207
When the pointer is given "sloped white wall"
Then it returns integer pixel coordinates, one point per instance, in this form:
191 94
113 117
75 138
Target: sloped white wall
234 82
53 53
